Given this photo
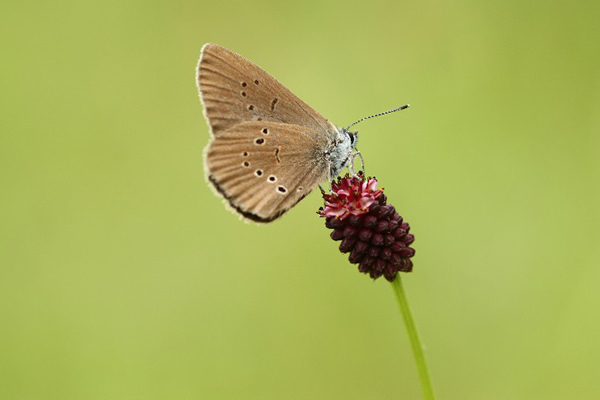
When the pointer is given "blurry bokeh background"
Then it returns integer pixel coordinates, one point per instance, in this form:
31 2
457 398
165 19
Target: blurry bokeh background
123 277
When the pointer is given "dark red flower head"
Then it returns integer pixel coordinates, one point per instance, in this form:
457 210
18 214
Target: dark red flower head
370 230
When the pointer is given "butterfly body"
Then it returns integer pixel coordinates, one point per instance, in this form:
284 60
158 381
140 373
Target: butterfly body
340 151
269 149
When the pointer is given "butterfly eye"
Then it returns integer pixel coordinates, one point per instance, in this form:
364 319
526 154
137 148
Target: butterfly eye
353 138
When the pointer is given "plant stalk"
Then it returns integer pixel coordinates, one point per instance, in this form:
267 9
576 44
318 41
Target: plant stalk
413 335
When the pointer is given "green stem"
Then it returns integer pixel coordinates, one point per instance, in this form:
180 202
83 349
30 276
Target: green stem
415 342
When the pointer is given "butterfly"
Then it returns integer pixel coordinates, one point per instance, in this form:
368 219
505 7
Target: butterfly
268 148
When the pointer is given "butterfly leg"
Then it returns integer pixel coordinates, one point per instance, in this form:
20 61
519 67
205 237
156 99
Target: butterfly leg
351 164
323 190
328 180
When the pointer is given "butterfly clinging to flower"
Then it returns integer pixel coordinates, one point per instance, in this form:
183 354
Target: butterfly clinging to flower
269 149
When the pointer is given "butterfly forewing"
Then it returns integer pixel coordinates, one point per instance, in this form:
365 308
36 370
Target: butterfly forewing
265 168
269 148
235 90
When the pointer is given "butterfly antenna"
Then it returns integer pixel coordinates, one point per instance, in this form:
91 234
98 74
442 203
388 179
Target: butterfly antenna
379 115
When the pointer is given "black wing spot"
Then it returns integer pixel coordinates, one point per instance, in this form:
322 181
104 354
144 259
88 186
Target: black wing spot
259 141
256 82
244 94
258 172
272 178
281 189
277 155
245 154
244 84
265 131
246 164
275 100
250 107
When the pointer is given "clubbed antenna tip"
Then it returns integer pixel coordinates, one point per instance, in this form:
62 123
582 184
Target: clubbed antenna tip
379 115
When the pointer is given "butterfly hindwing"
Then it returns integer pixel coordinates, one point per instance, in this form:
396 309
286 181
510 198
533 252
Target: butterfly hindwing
264 168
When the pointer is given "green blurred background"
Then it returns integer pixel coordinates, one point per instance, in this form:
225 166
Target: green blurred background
123 277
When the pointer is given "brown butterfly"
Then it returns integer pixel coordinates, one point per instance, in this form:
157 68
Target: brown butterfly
269 149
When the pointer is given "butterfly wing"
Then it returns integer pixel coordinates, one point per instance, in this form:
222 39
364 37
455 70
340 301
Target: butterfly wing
264 168
235 90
